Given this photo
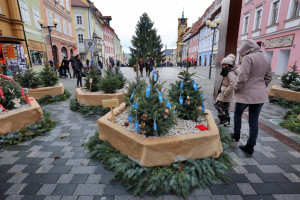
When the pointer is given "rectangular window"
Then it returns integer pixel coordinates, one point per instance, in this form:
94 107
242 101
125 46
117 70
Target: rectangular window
62 3
67 5
296 9
70 30
258 19
65 27
49 18
275 10
79 20
36 17
246 23
80 38
25 12
58 27
82 57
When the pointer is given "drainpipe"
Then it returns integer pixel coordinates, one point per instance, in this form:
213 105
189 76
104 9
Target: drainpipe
24 35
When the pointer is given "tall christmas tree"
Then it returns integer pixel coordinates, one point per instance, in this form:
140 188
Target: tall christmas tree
146 42
188 96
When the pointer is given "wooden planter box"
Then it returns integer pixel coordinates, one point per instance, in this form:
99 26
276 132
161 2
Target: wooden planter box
20 119
96 99
278 91
160 151
39 93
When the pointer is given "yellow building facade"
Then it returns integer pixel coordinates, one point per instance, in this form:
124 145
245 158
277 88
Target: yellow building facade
182 26
13 49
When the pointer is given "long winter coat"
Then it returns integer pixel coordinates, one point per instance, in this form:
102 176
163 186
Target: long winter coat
254 77
228 84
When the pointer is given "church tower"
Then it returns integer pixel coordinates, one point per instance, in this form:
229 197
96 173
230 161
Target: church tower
182 26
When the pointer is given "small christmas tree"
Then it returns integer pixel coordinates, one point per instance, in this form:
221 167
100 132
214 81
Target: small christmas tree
291 80
188 96
152 112
96 77
28 79
136 88
48 76
120 76
110 83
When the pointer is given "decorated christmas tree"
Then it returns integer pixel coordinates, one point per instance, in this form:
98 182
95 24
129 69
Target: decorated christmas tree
151 111
48 76
92 80
188 97
146 42
28 79
136 88
291 80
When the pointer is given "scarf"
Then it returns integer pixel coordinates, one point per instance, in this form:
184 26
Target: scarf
226 70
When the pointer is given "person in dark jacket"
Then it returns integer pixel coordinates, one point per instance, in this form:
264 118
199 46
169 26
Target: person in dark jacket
65 65
78 70
148 66
141 66
73 61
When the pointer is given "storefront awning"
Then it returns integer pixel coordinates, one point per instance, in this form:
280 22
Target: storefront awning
7 38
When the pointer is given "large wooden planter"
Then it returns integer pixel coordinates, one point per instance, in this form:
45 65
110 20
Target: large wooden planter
39 93
278 91
96 99
20 119
160 151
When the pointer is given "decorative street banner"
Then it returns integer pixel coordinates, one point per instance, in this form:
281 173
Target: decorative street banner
285 41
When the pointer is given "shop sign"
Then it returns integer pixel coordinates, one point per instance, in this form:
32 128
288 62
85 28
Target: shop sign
285 41
10 51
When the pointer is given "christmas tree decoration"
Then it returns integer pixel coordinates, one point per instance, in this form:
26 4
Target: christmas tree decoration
126 123
203 109
160 97
148 91
188 100
168 104
136 126
181 84
130 118
195 85
144 117
180 100
166 113
291 80
131 97
201 127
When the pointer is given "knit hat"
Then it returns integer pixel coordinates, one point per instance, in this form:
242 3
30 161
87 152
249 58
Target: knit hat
229 60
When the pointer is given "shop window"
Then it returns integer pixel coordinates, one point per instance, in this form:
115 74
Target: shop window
58 27
36 17
258 16
79 19
82 57
25 12
80 38
274 12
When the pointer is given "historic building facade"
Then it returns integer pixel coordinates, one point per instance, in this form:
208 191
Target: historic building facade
275 26
13 48
181 29
63 35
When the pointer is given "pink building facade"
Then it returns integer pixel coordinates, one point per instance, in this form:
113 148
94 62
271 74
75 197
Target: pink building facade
275 26
108 42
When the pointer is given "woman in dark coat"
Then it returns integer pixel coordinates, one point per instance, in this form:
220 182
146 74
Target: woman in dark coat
78 70
65 65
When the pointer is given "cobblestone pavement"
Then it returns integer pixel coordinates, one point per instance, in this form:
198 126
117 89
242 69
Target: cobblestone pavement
48 167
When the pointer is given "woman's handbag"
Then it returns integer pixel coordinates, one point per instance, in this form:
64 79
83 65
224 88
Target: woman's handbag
83 74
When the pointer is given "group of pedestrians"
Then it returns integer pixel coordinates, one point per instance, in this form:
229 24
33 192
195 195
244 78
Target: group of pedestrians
248 88
149 64
77 67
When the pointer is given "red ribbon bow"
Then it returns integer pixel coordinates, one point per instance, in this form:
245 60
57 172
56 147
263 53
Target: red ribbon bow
201 127
3 108
6 77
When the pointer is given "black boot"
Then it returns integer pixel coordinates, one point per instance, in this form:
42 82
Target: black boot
235 136
247 148
222 120
227 122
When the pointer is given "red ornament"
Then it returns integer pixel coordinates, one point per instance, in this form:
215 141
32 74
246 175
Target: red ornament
1 93
201 127
4 110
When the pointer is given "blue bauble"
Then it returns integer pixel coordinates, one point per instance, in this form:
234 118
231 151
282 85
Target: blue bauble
160 97
155 77
136 126
168 104
195 85
130 118
180 100
155 126
133 104
203 109
181 85
147 93
131 96
136 106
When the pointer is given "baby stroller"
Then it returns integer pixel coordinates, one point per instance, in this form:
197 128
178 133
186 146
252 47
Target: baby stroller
62 72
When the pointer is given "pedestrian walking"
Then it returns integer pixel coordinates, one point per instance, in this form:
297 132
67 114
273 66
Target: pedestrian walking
78 68
65 64
88 64
229 73
148 65
251 90
73 61
141 66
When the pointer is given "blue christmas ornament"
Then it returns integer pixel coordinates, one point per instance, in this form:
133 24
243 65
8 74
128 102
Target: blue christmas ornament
166 99
136 125
136 106
160 97
195 85
148 91
181 85
203 109
155 77
168 104
180 100
155 126
133 104
130 118
131 95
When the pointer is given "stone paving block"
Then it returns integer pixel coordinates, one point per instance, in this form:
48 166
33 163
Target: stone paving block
77 162
286 196
17 178
253 178
234 197
65 149
46 189
64 189
33 178
292 177
218 197
31 169
225 189
79 178
69 198
297 167
289 188
8 160
65 178
29 161
49 178
68 154
246 188
267 188
63 144
35 148
83 170
52 197
240 169
89 189
40 154
268 148
268 139
94 178
31 189
251 161
268 154
270 169
15 189
44 169
14 197
85 198
17 168
295 153
8 154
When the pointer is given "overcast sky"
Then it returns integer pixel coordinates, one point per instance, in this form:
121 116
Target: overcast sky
164 13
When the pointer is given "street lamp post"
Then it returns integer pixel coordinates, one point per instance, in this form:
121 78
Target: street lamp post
212 26
55 22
